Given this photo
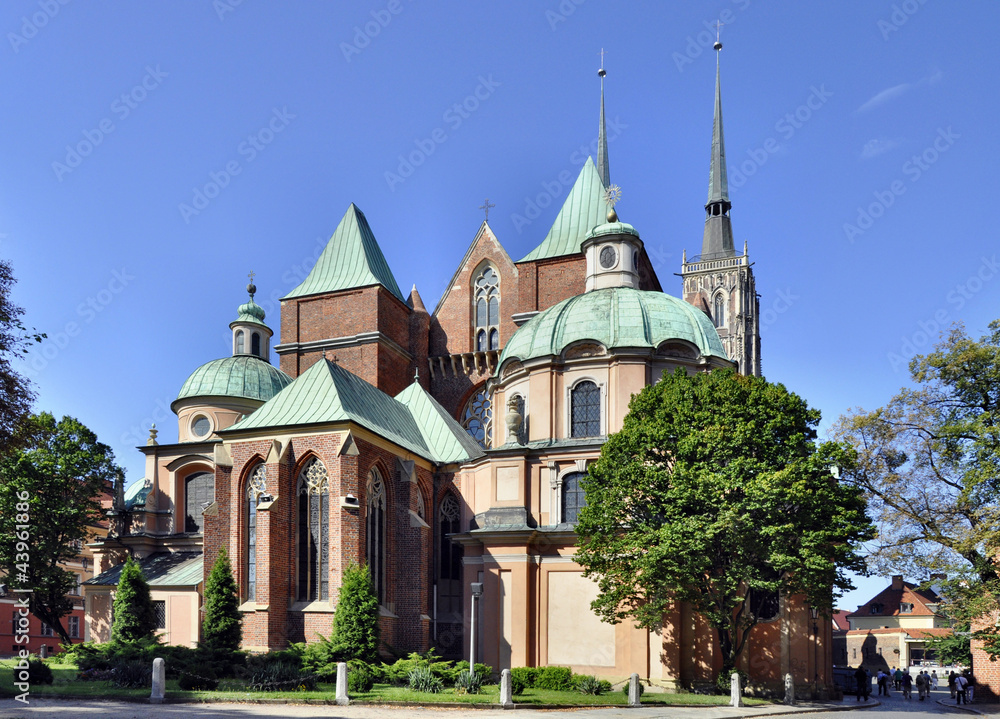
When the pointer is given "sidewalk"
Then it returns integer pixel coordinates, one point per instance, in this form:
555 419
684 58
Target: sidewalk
10 709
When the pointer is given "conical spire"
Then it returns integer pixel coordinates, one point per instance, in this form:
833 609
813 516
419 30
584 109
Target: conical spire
602 135
718 239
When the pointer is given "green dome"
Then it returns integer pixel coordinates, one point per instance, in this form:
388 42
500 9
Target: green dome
615 317
250 312
612 228
240 376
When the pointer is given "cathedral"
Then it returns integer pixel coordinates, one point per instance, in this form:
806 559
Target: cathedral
444 448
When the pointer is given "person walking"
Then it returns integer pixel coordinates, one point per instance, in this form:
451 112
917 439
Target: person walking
934 680
960 684
951 683
882 680
921 685
907 684
898 676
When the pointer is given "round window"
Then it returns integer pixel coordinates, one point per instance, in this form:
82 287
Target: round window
201 426
608 257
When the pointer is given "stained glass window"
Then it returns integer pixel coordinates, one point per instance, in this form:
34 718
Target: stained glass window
313 532
375 550
478 418
719 315
255 488
585 410
487 303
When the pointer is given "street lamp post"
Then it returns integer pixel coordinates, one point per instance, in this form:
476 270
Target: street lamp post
477 591
814 613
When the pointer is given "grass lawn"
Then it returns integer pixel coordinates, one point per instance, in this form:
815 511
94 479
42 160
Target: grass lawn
65 683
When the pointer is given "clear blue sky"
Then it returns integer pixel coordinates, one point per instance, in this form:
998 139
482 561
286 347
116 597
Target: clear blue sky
116 116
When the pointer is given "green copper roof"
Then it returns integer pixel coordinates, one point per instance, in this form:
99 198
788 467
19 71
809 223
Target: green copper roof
582 210
250 312
613 228
240 376
615 317
445 437
162 569
352 258
137 492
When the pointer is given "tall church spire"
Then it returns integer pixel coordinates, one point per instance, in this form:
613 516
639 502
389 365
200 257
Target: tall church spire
602 135
718 238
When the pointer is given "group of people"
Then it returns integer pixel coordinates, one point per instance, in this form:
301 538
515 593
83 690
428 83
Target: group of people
960 685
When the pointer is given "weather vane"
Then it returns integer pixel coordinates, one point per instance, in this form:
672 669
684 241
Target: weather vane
251 288
612 196
486 206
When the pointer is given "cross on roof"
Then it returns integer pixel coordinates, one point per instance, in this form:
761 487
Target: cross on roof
602 58
251 275
486 206
718 29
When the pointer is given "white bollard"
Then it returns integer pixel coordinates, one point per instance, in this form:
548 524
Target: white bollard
159 681
789 690
506 691
633 691
735 691
43 652
342 698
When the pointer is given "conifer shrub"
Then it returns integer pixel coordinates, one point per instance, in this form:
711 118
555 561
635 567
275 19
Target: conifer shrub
361 676
135 619
39 672
355 622
222 628
132 674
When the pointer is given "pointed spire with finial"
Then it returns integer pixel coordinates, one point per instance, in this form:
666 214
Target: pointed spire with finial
602 135
718 239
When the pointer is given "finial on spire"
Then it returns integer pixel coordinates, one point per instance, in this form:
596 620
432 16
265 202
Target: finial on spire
152 435
718 34
486 207
612 196
251 288
602 134
416 374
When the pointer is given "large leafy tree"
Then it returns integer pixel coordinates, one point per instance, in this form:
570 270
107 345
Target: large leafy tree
222 627
929 461
715 487
59 478
16 394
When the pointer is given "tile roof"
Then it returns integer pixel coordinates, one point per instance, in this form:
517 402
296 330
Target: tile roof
889 600
162 569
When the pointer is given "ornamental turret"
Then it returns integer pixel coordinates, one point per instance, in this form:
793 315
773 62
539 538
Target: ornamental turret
250 335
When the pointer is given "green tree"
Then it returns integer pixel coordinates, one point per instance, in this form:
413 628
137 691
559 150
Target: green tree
16 394
222 627
135 619
929 462
355 622
50 502
713 488
953 649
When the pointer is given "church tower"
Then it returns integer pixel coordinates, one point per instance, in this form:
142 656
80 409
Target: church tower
719 281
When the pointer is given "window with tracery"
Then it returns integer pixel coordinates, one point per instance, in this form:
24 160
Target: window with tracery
256 487
449 564
199 491
375 534
478 418
719 315
487 310
585 410
313 532
573 497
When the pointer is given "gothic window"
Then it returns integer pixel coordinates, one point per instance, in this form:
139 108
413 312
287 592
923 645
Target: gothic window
199 492
478 418
240 340
375 534
487 303
449 564
719 312
585 410
255 344
573 497
420 504
313 532
256 487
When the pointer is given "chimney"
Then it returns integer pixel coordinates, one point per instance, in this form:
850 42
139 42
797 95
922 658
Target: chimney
897 582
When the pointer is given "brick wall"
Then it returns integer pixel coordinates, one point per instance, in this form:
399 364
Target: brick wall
985 670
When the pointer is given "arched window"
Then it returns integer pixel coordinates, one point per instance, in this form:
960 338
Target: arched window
764 604
585 410
486 290
449 564
240 342
255 344
375 534
478 418
313 494
256 486
573 497
719 312
199 492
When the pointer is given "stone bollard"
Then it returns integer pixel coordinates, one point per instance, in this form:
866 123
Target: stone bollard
506 692
633 691
159 681
342 698
735 691
789 690
43 652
